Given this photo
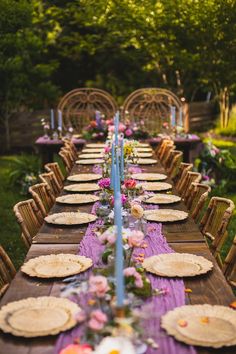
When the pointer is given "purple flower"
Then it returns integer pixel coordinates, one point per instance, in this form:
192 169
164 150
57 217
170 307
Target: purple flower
105 183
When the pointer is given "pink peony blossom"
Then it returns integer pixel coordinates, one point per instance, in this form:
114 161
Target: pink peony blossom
98 284
122 127
97 320
129 272
107 149
123 199
135 238
128 132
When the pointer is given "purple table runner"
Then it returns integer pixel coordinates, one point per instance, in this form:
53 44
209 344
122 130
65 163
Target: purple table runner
158 305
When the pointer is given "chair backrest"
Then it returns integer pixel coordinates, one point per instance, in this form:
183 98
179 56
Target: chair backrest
182 173
198 194
229 265
152 106
7 271
215 221
54 167
50 179
79 107
43 197
161 145
71 148
176 157
167 156
66 159
190 178
166 143
29 218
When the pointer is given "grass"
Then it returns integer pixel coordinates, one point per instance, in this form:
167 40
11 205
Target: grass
230 130
10 231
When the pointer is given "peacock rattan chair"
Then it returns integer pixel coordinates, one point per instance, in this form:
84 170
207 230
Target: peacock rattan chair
54 167
43 197
191 177
198 194
182 173
7 271
175 159
30 219
215 221
50 179
80 106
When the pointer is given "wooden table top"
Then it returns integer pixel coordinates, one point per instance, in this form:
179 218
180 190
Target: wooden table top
210 288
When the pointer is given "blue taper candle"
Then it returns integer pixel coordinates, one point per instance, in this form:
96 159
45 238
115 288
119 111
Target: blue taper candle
112 165
117 117
172 109
122 163
119 262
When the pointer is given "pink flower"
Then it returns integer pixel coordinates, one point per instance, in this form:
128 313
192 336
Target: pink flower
80 316
77 349
135 238
107 149
122 127
138 280
130 183
123 199
98 284
97 320
128 132
111 128
108 236
104 183
129 272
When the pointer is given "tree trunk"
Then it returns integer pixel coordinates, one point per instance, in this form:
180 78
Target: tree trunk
224 107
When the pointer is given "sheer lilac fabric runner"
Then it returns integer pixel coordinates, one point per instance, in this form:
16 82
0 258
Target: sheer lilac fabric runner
156 305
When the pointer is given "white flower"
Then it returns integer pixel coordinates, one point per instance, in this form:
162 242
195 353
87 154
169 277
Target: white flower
121 345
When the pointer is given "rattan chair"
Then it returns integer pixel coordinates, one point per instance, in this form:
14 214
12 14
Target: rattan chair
166 146
191 177
66 159
215 221
182 173
30 219
50 179
229 264
54 167
176 158
68 144
198 194
43 197
167 157
161 145
7 271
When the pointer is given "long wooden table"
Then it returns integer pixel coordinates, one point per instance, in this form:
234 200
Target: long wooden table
210 288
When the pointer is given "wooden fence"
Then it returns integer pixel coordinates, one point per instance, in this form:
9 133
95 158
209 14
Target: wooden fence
26 127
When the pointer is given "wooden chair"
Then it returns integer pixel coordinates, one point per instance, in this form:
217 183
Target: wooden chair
160 146
54 167
176 158
189 179
167 145
30 219
7 271
229 264
215 221
167 157
43 197
50 179
198 194
66 159
68 144
182 173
